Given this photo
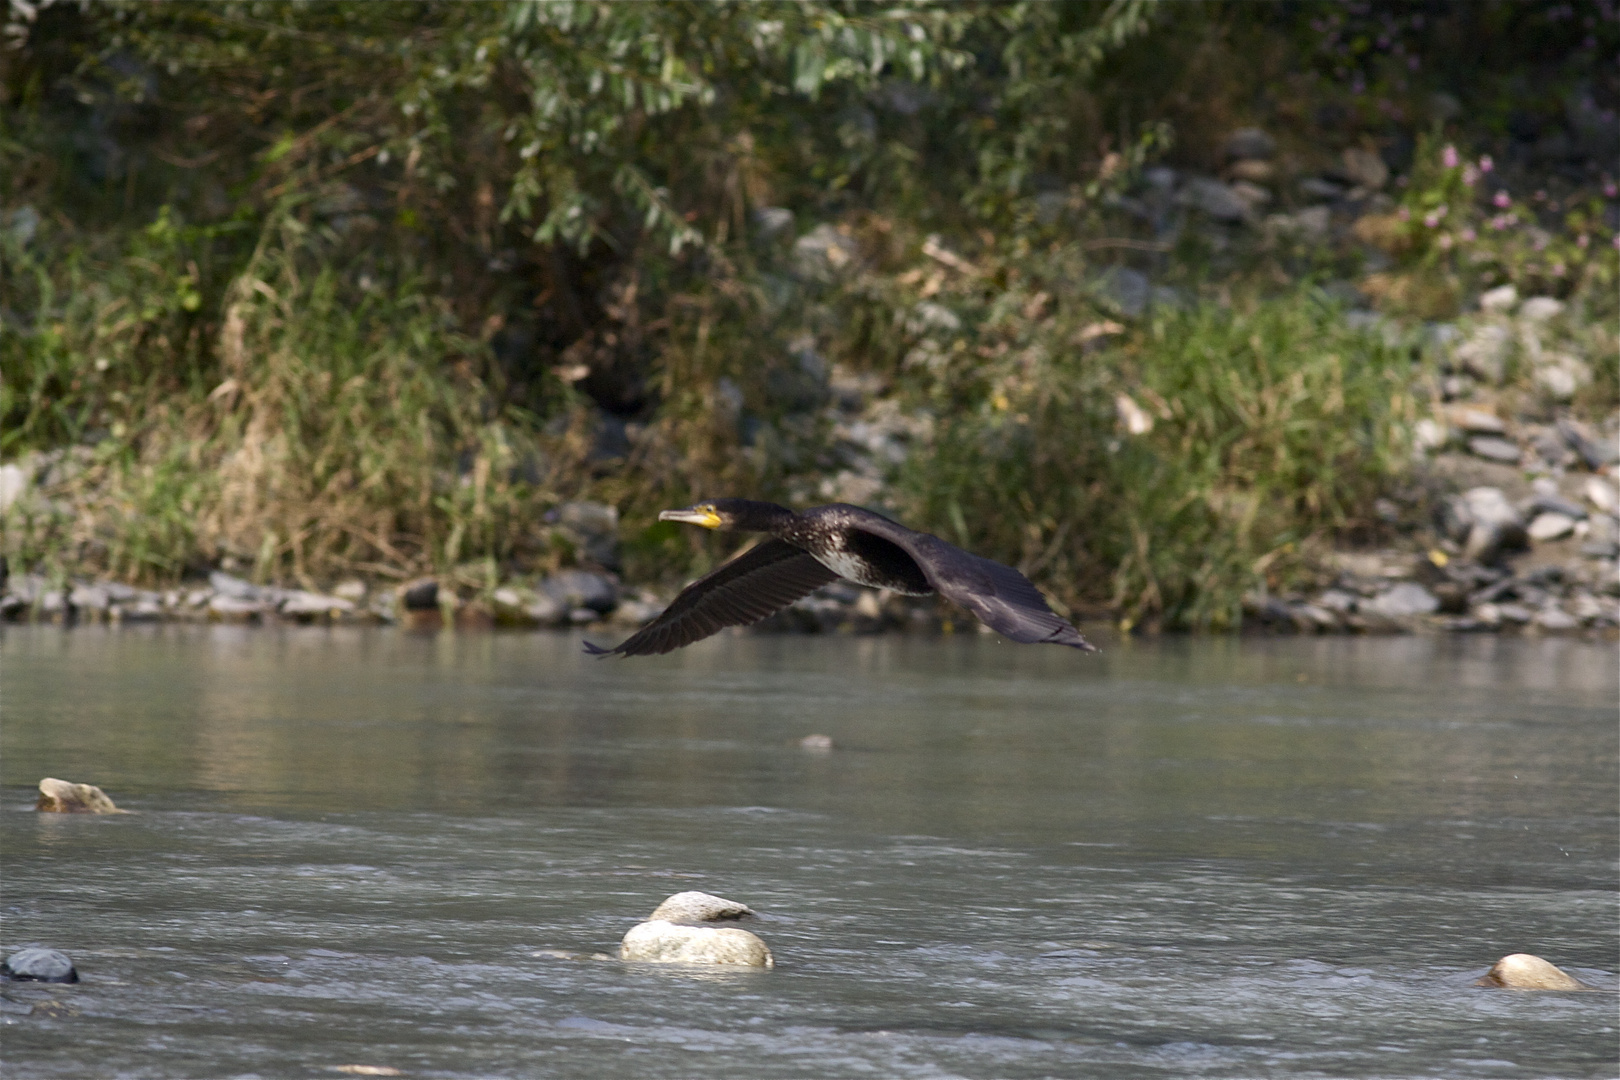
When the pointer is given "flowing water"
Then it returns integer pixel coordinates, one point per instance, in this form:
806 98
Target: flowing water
1185 858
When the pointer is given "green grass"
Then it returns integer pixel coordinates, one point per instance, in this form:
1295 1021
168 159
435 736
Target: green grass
1274 426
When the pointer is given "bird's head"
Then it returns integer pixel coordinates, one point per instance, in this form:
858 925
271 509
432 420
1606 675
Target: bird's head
730 514
706 514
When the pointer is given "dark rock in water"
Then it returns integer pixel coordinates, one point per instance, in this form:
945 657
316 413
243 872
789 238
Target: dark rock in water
701 907
420 595
582 589
39 965
62 797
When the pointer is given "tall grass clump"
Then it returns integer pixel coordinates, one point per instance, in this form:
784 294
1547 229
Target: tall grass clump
311 429
1167 477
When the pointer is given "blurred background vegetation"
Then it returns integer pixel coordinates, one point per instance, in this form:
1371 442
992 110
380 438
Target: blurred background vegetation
322 289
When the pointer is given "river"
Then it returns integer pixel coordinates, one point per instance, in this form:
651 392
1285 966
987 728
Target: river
1219 857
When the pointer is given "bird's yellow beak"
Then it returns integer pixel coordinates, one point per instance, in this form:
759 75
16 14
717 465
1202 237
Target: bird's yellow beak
701 514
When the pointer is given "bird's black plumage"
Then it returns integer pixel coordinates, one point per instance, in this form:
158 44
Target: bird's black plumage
820 545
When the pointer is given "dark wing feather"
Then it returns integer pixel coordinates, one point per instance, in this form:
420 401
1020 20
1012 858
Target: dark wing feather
759 582
1002 598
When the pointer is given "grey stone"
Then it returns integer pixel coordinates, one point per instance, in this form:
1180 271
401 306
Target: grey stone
773 221
1128 290
14 483
1495 448
1551 502
1249 144
1314 187
1476 506
1599 491
39 965
1340 601
1485 354
1405 600
663 942
701 907
1484 522
233 608
1540 309
141 611
1253 195
233 587
89 597
1551 526
547 611
353 590
593 527
1215 199
1596 452
1500 300
823 252
1515 613
1561 376
1364 168
1476 421
582 589
299 602
1556 620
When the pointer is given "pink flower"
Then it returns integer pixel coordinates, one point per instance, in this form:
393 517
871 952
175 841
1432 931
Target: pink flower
1432 218
1501 200
1469 236
1485 163
1448 157
1445 241
1558 269
1582 240
1404 214
1470 174
1609 189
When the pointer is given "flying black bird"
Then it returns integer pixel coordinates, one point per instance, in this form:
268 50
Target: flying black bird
823 544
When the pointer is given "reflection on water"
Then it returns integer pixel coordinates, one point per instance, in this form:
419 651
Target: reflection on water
1183 858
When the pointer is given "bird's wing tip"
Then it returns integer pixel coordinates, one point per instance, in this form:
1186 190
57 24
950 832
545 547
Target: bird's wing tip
597 650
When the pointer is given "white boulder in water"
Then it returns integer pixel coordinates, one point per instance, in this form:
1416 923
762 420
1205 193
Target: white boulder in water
1521 971
664 942
701 907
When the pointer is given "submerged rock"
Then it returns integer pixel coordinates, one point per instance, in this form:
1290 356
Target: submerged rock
39 965
701 907
61 797
1521 971
663 942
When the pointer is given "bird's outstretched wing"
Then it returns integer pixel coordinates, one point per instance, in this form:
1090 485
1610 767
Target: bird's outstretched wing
759 582
1002 598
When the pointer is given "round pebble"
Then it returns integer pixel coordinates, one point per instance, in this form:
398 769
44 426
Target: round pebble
39 965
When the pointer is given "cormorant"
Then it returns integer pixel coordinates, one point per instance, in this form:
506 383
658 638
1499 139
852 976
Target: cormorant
821 545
